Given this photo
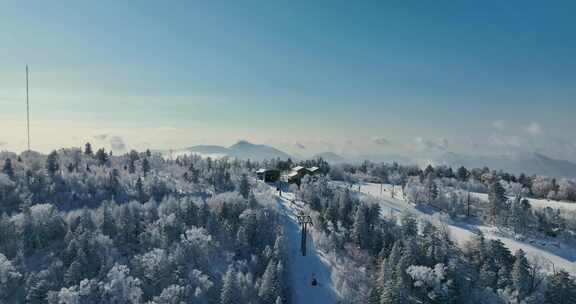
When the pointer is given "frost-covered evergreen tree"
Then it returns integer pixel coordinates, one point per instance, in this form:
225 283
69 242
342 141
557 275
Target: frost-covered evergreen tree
101 156
88 149
230 291
52 163
497 200
10 281
145 166
120 287
521 275
173 294
269 288
7 168
244 187
561 289
409 225
360 229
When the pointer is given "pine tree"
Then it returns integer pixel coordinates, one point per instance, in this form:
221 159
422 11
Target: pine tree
561 289
140 190
10 281
52 165
393 293
462 174
521 275
431 189
252 201
345 208
409 225
497 199
132 167
269 290
132 158
37 290
523 215
374 297
101 157
114 182
74 273
88 149
244 187
429 170
488 275
145 166
107 227
8 169
360 229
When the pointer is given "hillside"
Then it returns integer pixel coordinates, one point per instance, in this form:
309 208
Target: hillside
531 163
241 150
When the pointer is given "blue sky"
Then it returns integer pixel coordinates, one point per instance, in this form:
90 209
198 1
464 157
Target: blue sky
339 75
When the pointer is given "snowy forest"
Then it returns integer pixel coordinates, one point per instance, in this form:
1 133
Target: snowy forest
86 226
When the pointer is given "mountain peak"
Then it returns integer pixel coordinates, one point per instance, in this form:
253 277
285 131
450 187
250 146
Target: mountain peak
242 143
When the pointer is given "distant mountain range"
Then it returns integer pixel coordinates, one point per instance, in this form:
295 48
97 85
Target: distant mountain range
240 150
331 157
528 163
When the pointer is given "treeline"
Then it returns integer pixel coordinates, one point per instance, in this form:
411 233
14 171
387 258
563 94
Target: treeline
456 193
410 261
476 179
90 227
75 178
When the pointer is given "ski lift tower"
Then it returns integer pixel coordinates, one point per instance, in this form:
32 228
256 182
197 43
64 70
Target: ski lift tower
27 110
304 221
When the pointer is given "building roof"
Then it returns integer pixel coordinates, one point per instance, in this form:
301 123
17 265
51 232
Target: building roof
298 168
262 170
292 174
313 169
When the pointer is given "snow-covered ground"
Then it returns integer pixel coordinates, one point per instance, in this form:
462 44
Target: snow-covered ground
304 268
539 203
556 255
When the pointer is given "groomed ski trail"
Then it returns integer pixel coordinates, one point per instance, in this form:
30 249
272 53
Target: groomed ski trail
304 268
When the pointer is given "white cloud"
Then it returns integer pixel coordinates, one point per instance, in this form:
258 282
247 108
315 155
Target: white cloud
381 141
534 129
117 143
167 129
505 141
300 146
440 144
499 125
101 136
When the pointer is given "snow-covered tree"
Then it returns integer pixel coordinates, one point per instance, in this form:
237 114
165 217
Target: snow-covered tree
561 289
521 275
120 287
10 281
230 293
244 187
270 288
497 200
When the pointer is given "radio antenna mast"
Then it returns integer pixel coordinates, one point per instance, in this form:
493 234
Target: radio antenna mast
27 110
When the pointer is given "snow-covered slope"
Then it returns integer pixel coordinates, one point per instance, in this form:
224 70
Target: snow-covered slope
304 268
556 255
539 203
